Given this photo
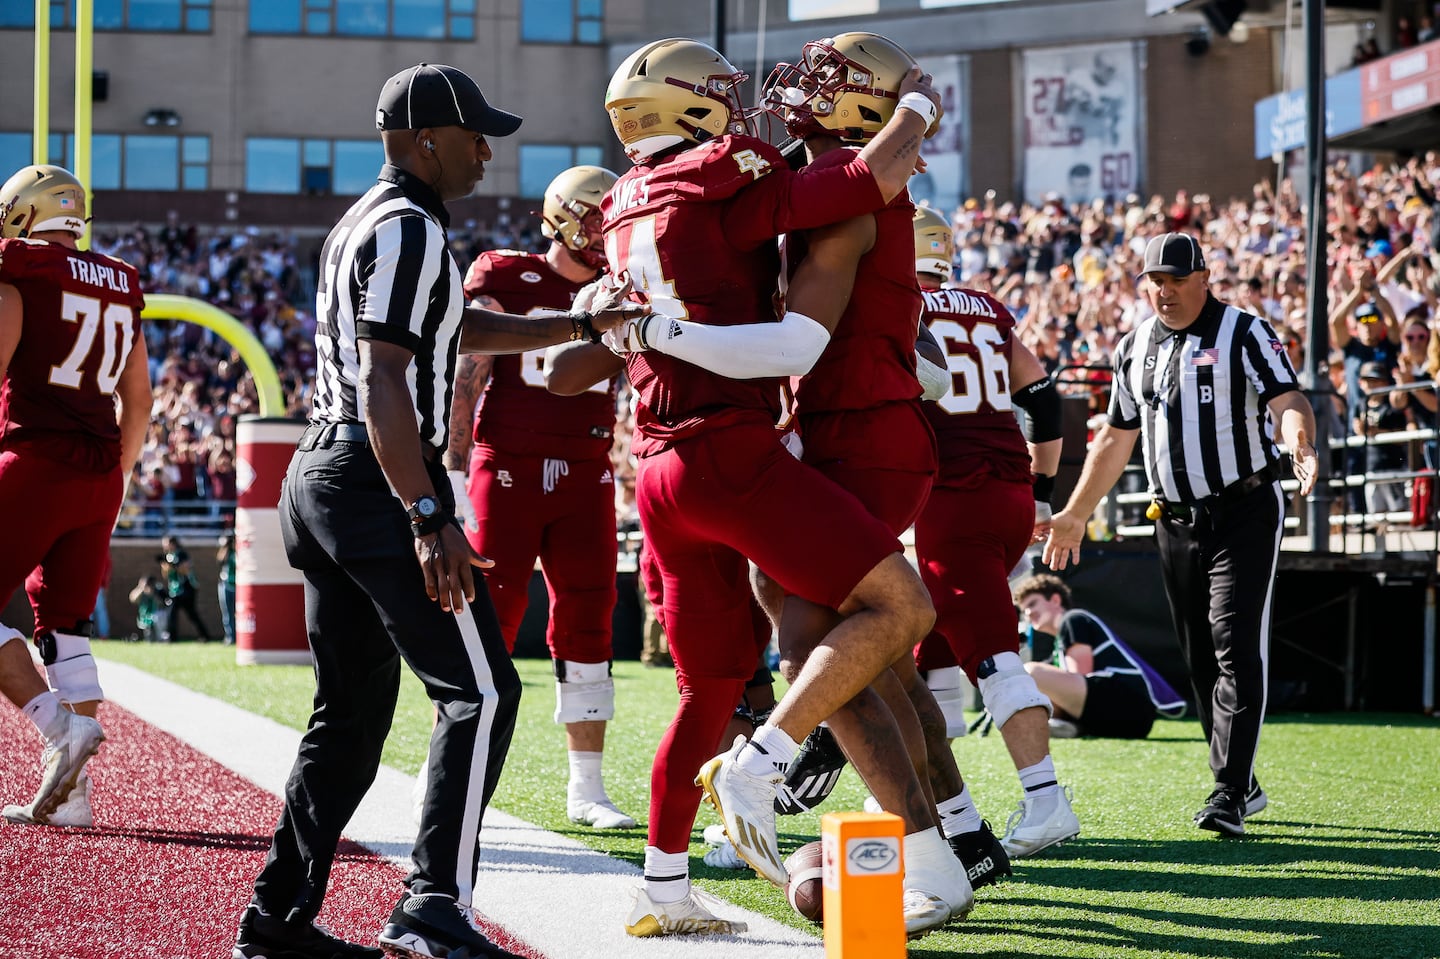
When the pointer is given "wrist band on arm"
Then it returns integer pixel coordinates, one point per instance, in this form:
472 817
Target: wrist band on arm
582 326
1044 487
921 104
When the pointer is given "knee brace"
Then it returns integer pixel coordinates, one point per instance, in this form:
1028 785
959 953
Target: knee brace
945 684
584 692
70 668
1007 688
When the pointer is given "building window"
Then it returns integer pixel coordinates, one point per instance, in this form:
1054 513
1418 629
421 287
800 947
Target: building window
562 21
315 167
161 16
123 162
421 19
542 162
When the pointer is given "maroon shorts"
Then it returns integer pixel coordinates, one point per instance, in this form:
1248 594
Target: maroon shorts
967 541
571 529
58 522
713 501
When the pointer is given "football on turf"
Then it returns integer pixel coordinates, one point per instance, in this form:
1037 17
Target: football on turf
806 886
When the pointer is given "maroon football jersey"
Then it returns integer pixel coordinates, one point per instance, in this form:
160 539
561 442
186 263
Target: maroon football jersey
870 358
696 234
974 422
82 317
517 414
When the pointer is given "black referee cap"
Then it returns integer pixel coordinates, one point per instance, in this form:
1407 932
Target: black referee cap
436 95
1175 253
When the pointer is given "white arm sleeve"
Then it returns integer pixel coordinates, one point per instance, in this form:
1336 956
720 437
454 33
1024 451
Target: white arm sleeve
747 351
934 380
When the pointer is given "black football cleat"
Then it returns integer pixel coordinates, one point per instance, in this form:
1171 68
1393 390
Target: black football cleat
812 775
1224 812
985 859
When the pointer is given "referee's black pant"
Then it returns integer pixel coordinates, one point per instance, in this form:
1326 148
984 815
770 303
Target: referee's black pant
1219 572
365 609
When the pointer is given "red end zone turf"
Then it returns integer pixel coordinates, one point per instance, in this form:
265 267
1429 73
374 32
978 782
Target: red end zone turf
166 871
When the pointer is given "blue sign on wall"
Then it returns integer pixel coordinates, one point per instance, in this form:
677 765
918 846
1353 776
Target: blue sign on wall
1280 120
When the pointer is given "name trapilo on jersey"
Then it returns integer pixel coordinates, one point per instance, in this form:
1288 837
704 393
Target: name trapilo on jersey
81 320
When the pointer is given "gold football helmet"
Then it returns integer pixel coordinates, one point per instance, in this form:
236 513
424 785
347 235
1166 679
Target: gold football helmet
674 91
847 85
934 243
571 213
39 199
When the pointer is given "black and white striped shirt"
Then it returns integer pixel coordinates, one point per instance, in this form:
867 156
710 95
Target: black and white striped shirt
1198 397
386 273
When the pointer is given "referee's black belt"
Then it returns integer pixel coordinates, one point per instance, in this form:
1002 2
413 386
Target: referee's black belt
325 435
1185 512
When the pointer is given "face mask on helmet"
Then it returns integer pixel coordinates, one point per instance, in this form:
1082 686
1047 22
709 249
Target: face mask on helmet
672 92
571 212
39 199
847 86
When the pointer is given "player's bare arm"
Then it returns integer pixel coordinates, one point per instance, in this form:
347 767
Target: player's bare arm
572 368
135 396
445 557
822 284
892 154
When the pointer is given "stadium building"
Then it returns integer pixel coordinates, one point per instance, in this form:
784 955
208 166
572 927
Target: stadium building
260 112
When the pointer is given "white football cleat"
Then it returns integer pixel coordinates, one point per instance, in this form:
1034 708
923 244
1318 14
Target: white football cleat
63 761
1039 823
746 804
937 889
690 916
724 856
602 814
74 812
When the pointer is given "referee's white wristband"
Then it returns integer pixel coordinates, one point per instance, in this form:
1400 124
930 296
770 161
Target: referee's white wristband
921 104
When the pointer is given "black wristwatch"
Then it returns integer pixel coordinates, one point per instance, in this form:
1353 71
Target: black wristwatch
426 516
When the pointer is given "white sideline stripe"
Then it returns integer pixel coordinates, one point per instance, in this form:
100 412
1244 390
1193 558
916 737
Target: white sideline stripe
552 892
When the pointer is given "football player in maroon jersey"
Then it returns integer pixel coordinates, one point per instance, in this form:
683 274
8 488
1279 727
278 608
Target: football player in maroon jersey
539 479
70 351
692 225
990 498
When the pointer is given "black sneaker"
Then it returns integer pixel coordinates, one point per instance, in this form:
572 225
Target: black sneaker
267 937
813 773
985 859
1255 799
435 926
1224 811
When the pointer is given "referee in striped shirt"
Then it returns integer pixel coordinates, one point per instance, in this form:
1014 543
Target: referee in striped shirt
368 518
1204 387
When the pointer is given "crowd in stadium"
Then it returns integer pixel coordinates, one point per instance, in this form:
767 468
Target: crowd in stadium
1067 272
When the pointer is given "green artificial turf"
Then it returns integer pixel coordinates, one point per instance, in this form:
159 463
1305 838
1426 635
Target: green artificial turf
1344 863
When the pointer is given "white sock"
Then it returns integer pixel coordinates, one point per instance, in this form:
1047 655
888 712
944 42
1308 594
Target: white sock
1039 779
958 814
586 784
667 875
925 847
769 751
44 711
